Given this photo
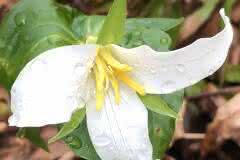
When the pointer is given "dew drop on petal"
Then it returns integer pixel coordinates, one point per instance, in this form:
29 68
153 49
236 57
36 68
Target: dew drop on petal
164 68
153 71
168 85
101 140
20 19
180 68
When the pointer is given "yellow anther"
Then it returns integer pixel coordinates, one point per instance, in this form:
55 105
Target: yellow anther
99 90
110 60
114 82
108 69
115 86
131 83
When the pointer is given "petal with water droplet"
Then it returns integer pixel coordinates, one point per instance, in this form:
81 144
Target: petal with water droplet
120 131
182 67
51 86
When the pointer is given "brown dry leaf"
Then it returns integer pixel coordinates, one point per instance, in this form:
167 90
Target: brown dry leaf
56 150
235 13
226 126
13 148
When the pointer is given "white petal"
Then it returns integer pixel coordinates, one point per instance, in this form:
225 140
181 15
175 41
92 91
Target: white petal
51 86
165 72
120 132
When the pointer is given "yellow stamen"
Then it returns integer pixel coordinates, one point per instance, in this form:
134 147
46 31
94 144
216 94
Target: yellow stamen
110 60
106 69
100 75
115 86
114 82
131 83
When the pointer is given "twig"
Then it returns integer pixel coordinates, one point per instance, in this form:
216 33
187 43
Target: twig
193 136
223 91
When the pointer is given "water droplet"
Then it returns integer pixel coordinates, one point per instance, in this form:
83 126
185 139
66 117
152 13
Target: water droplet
73 142
211 71
164 68
192 81
168 85
20 19
180 67
137 33
53 40
102 140
138 43
79 71
26 38
153 71
163 40
9 47
2 44
111 148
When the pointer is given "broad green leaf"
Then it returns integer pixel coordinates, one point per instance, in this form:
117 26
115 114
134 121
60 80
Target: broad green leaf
232 73
164 24
156 104
157 39
33 134
69 127
150 31
114 24
31 27
84 26
161 127
79 141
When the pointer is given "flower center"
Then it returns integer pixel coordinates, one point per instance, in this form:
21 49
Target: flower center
109 70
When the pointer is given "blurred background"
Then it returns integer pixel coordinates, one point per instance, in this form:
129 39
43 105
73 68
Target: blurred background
209 127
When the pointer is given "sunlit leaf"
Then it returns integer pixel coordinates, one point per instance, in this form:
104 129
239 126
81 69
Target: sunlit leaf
69 127
114 25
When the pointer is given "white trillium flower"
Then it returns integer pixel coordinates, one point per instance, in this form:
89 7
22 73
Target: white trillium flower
54 84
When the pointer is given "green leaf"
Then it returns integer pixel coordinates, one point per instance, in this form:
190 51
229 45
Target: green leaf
30 28
80 142
113 27
157 39
161 126
164 24
84 26
156 104
70 126
161 129
33 134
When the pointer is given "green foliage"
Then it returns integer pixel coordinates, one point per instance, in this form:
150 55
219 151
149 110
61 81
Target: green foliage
161 127
33 27
112 30
150 31
156 104
69 127
79 141
30 28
